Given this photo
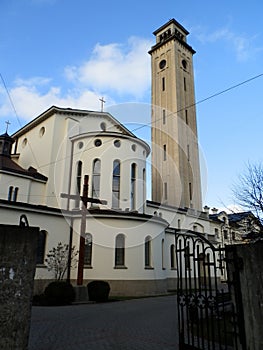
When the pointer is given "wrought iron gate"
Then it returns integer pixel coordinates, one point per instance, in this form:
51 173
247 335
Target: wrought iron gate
206 314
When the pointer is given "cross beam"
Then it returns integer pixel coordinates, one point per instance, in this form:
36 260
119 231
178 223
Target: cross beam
102 103
85 200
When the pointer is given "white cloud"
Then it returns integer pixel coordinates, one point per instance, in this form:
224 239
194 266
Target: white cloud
124 69
113 68
243 45
29 101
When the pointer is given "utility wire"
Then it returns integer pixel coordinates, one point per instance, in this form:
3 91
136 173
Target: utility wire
146 124
19 122
174 113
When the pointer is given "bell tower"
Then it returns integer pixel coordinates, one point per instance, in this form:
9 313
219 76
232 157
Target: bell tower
176 176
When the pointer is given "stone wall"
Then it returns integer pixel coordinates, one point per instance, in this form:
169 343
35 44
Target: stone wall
18 247
246 274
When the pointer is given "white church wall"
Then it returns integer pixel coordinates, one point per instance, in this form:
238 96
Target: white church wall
27 189
180 218
130 151
104 232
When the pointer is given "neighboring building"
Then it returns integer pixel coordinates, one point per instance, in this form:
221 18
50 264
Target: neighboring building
235 228
130 242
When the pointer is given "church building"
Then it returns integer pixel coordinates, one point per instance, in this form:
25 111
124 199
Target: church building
66 157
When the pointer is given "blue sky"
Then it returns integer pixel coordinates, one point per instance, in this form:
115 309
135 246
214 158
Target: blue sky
70 53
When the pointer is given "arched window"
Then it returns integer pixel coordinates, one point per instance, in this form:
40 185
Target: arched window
78 181
41 246
133 186
88 250
144 188
10 193
120 250
116 184
96 178
148 252
172 257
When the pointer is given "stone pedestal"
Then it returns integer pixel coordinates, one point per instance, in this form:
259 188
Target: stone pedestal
81 294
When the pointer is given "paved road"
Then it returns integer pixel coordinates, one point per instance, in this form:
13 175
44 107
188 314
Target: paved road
138 324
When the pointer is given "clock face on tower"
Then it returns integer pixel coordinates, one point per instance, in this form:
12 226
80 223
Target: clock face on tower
162 64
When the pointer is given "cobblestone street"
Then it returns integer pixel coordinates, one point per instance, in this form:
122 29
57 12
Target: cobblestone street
149 323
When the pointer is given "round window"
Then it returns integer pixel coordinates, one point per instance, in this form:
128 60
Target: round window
24 142
80 145
117 143
184 64
97 143
103 126
162 64
42 131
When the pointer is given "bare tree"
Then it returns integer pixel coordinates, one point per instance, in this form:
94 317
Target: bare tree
57 259
249 189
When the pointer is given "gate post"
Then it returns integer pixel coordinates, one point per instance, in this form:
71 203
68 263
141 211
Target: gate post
18 249
244 262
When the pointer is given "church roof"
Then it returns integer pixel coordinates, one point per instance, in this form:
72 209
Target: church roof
235 217
71 112
7 164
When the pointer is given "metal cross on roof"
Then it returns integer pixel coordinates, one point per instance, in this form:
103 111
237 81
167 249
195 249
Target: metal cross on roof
102 103
7 125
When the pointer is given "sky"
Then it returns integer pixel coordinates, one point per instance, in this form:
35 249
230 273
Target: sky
70 53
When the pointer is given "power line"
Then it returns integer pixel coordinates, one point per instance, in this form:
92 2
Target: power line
146 124
178 111
205 99
10 99
13 106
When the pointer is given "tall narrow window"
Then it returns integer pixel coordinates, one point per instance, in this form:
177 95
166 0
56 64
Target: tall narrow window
148 252
96 178
188 152
184 84
133 186
186 116
164 152
41 245
172 257
10 193
15 194
164 117
163 84
163 266
144 188
165 191
88 250
190 191
116 184
78 181
120 250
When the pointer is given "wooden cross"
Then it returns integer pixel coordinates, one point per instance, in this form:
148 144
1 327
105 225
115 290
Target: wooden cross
85 200
102 103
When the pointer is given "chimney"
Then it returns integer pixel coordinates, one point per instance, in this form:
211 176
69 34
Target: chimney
214 210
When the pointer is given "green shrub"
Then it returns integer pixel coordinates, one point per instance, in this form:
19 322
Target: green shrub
98 291
39 300
59 293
